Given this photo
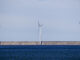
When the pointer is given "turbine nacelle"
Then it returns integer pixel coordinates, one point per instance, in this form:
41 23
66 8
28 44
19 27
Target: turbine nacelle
39 24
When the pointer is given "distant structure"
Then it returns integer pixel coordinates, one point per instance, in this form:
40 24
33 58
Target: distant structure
40 31
79 22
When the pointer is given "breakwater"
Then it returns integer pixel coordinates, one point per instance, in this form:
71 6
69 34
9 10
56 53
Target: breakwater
40 43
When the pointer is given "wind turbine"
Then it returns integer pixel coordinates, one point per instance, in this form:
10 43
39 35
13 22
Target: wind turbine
40 31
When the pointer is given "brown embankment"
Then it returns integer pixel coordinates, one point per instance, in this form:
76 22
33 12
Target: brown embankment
39 43
61 42
19 43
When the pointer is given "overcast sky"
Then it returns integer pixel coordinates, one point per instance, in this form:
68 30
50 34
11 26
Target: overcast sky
60 19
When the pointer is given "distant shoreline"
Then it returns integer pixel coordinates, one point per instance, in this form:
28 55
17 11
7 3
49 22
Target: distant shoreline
39 43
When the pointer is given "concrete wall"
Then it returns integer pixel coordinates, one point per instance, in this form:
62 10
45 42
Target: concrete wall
61 43
43 43
20 43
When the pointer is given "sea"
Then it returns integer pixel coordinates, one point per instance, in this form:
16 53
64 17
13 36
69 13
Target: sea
39 52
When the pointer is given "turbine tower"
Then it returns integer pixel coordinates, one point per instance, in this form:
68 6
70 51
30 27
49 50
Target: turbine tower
40 31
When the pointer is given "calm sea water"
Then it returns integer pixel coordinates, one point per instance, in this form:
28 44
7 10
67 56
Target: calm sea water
40 52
